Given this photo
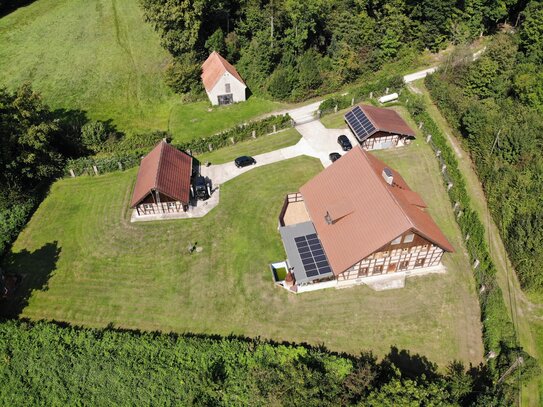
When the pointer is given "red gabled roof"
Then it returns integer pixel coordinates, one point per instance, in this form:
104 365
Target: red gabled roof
214 67
387 120
167 170
380 212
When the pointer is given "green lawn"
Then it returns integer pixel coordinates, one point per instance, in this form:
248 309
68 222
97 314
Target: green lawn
335 120
101 57
259 145
199 119
110 271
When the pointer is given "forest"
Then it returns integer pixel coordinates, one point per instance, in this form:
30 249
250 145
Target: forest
292 50
47 364
496 103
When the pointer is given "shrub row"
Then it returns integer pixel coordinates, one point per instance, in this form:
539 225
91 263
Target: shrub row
129 152
498 330
46 364
378 87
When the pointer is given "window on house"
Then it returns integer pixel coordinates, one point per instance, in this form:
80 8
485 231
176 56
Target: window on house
398 240
147 206
378 269
171 204
409 238
227 87
404 265
419 263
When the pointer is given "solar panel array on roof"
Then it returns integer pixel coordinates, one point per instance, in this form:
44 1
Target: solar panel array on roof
312 255
359 123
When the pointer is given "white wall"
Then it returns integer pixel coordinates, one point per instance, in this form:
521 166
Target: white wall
237 89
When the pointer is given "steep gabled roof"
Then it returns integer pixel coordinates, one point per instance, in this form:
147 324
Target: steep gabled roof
380 212
366 120
167 170
214 67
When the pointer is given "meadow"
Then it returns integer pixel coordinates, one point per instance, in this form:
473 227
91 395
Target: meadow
100 58
84 263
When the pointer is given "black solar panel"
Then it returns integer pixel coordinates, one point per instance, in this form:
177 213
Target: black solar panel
359 123
312 255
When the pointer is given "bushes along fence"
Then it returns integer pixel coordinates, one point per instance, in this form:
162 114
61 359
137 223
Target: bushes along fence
129 153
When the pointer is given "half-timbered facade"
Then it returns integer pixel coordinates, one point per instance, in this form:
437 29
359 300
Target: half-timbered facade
163 182
377 128
356 220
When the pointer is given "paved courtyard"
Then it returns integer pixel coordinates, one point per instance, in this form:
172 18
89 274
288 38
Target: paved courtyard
317 141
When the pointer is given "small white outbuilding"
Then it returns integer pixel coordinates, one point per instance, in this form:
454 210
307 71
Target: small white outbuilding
222 82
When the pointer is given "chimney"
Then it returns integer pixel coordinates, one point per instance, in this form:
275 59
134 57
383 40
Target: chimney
387 176
328 218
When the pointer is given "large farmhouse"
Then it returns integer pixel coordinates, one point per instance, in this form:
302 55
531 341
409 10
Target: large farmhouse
377 128
163 183
355 221
222 82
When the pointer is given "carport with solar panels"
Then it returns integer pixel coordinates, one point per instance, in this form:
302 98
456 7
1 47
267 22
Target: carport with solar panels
360 124
306 257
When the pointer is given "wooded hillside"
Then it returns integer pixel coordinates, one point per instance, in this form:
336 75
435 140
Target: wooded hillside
497 105
291 49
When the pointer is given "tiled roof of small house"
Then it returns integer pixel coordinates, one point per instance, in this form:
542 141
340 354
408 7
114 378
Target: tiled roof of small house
214 67
167 170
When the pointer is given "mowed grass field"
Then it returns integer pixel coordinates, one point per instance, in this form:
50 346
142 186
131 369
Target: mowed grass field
99 56
88 265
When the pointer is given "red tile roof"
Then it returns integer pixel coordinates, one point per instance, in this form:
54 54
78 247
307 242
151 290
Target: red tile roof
380 212
167 170
214 67
387 120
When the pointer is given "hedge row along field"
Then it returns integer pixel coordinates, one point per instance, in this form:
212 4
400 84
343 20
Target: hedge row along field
130 150
46 364
499 336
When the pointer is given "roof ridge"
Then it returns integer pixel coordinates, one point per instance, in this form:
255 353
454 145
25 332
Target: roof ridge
390 192
162 143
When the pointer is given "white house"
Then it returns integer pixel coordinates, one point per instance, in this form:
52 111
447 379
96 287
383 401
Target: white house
222 82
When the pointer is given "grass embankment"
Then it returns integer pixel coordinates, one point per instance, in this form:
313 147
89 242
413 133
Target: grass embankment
110 271
102 58
252 147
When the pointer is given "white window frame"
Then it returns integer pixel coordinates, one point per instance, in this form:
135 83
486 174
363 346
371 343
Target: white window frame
409 238
398 240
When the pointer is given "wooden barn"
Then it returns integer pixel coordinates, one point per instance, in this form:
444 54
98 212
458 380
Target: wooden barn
377 128
356 220
163 182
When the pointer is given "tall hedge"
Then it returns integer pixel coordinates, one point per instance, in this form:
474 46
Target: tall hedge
499 338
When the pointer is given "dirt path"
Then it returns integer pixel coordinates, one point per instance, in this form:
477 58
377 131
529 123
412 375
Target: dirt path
522 309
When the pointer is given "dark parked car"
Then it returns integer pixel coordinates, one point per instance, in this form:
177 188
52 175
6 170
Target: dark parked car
244 161
334 156
344 142
200 186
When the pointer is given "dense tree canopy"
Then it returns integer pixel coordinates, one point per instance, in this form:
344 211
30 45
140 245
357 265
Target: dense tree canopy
50 365
497 103
273 40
